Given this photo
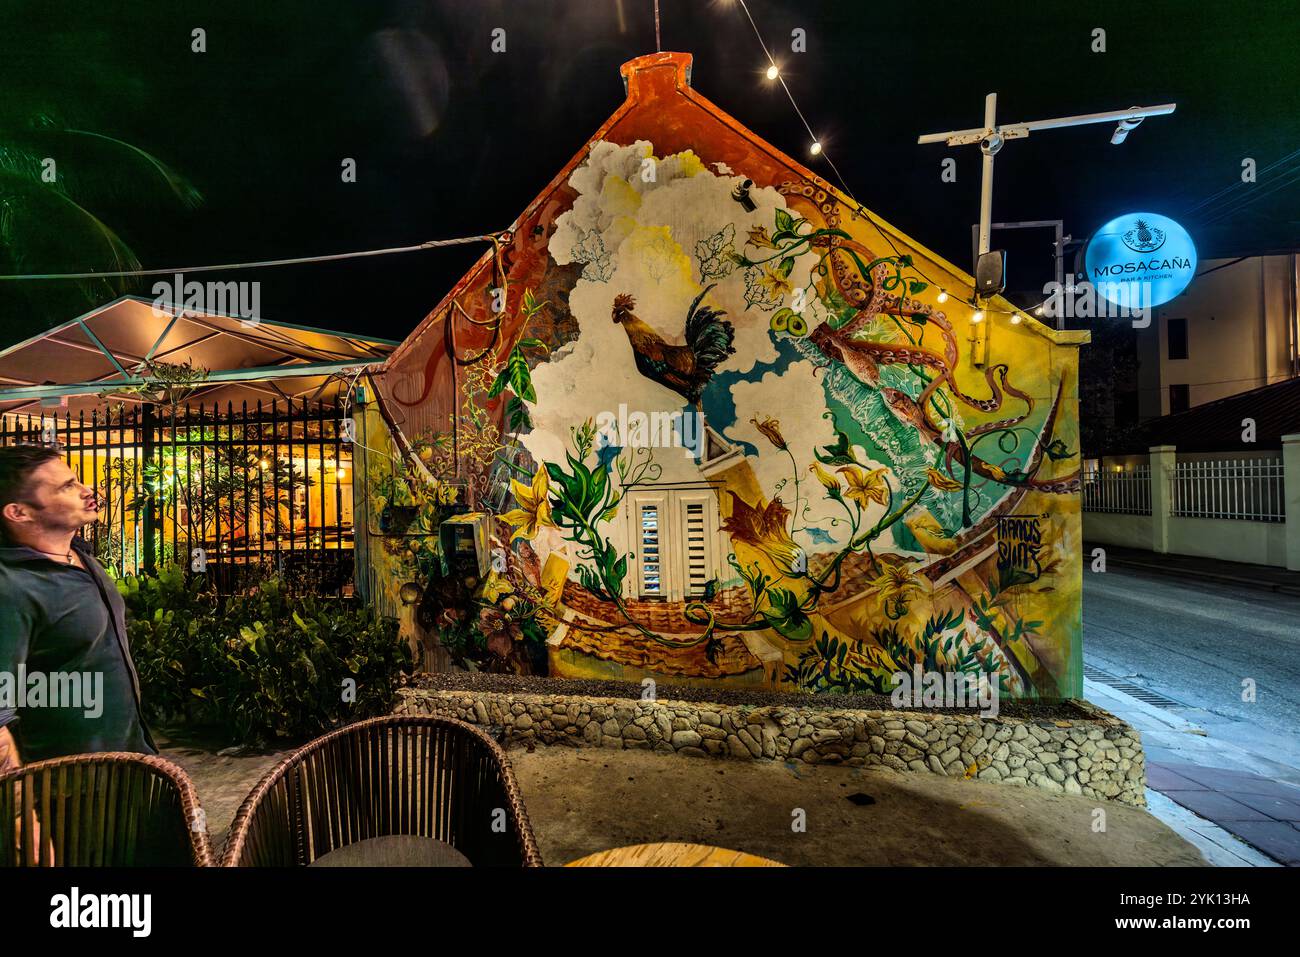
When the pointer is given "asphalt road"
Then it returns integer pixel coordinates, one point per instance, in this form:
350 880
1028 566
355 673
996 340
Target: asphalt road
1195 642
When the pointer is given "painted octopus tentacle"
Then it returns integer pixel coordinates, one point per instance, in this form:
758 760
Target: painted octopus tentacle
870 300
991 404
1015 393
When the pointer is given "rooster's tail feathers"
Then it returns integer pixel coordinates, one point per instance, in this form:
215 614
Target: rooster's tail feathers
708 335
713 340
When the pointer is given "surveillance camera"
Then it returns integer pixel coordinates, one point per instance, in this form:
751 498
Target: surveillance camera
991 144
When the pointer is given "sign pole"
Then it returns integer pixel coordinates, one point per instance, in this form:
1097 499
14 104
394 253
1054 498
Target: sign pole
989 147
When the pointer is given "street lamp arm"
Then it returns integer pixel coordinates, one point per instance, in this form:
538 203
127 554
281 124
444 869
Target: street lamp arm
990 138
1018 130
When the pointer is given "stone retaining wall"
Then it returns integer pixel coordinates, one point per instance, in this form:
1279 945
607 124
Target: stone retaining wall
1099 756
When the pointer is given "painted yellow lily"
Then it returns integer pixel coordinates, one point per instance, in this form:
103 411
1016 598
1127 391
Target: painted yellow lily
926 529
534 509
775 283
763 526
896 583
771 430
865 487
494 587
830 481
940 481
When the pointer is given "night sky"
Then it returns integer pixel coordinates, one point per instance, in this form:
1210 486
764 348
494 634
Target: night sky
452 139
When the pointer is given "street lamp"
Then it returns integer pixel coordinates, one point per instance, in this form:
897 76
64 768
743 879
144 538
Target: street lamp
990 269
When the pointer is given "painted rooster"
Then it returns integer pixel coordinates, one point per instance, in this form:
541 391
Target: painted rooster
684 369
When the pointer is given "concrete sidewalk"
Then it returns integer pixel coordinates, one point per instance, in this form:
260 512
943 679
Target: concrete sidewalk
586 800
1262 812
583 800
1241 814
1266 577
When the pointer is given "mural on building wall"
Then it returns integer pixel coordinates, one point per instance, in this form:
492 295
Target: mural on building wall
729 435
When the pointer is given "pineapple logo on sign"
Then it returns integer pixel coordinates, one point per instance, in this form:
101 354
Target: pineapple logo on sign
1144 238
1139 258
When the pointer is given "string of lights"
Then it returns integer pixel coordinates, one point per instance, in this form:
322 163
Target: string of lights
817 148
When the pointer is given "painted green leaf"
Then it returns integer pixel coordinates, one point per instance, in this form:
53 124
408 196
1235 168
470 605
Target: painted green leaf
784 220
1057 450
838 454
531 305
499 383
516 376
517 415
787 618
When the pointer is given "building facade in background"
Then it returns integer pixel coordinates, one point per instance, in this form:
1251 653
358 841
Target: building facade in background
1233 330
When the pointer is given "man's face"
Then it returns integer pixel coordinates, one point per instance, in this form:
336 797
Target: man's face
58 501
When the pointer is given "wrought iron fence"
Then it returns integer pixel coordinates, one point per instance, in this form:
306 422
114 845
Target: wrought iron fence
232 494
1247 489
1127 492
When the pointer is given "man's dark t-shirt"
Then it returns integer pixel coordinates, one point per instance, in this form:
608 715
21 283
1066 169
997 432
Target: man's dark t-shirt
60 619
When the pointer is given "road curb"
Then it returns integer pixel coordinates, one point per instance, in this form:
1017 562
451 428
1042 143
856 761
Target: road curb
1173 572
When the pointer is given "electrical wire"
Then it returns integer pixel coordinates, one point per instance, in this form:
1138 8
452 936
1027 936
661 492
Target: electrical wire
1290 177
335 257
1210 200
857 211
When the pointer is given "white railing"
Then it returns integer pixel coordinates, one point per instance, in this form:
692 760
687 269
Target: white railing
1248 489
1126 493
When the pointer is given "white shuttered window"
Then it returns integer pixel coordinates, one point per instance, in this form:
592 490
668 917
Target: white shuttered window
676 542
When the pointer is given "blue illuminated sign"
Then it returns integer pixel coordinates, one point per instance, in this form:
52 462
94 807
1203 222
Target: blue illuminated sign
1140 259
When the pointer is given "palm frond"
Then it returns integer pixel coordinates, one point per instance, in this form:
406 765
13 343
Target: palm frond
44 230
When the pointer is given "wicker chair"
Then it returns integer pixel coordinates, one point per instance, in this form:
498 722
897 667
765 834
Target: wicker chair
110 809
406 775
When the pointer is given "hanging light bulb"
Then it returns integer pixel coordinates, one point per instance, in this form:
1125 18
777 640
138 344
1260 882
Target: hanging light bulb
943 296
1038 310
978 317
815 148
1015 318
773 72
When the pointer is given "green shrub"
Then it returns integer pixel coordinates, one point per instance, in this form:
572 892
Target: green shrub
256 667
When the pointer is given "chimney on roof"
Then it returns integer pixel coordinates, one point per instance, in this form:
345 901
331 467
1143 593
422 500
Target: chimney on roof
656 74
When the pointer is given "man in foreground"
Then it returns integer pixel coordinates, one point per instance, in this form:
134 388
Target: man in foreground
62 622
